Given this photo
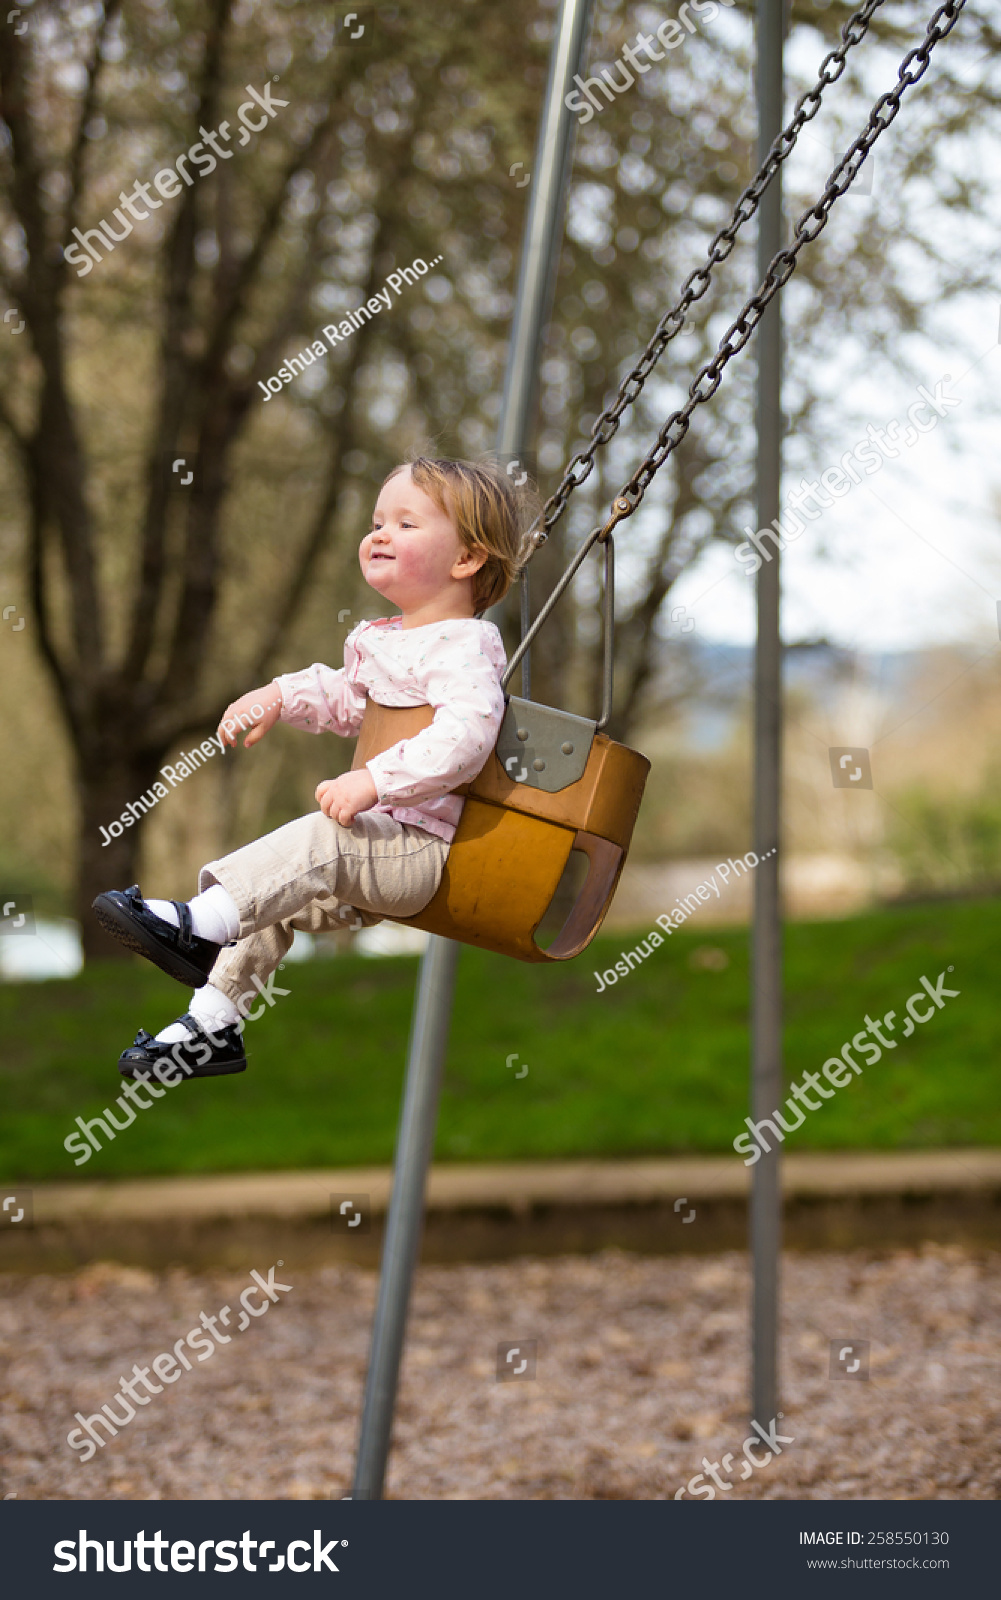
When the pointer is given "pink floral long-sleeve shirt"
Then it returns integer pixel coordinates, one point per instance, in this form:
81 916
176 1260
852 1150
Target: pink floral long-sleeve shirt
455 666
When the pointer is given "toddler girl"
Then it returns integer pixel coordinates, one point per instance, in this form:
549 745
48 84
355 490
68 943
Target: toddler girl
444 545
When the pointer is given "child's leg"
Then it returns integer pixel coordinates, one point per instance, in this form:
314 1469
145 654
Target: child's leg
303 874
380 866
231 992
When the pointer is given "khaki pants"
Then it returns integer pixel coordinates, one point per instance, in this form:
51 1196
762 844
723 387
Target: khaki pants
317 876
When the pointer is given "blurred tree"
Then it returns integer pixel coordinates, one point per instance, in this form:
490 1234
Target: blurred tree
182 320
155 601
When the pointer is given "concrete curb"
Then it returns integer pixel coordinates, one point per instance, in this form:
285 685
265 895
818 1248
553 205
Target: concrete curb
495 1210
516 1186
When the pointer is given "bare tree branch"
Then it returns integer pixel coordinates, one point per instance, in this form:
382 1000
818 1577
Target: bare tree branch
21 439
177 373
232 301
87 108
63 488
223 411
65 681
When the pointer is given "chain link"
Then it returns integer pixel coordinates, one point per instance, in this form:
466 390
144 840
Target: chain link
696 284
780 270
783 265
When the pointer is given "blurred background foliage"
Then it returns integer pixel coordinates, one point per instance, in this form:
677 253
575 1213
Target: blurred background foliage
401 145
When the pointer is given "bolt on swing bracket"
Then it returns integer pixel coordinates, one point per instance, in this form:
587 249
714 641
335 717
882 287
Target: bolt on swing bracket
542 747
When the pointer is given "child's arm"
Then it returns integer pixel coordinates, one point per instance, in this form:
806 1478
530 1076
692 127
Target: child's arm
257 712
461 679
320 699
316 699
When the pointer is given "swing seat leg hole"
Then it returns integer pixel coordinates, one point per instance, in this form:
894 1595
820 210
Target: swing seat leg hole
564 899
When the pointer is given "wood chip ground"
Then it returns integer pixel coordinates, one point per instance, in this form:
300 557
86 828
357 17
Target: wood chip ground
641 1372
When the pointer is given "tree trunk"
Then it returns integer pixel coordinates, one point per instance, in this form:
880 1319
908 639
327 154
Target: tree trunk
106 862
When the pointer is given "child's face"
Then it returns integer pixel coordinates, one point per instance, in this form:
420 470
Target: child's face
413 555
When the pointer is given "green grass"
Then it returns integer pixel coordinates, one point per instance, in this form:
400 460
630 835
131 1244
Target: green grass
656 1064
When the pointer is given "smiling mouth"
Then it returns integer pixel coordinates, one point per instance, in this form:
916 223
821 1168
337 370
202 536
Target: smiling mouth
378 555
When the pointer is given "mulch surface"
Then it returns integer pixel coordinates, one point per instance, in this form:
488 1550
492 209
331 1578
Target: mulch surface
641 1372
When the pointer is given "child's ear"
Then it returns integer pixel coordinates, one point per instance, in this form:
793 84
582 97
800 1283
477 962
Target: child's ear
470 562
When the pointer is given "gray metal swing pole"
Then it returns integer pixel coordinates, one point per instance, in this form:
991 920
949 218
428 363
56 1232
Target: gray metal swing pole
432 1013
766 958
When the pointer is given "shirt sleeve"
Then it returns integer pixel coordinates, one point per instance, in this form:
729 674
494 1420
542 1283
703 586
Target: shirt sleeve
460 676
320 699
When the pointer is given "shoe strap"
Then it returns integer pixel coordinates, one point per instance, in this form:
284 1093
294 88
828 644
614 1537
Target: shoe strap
184 934
199 1027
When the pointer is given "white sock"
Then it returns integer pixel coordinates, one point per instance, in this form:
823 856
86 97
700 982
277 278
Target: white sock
214 914
174 1032
212 1008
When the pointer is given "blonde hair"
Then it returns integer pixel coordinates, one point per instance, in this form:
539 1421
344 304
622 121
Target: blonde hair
487 512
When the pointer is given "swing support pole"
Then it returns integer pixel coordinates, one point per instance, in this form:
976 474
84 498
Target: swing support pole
436 983
766 959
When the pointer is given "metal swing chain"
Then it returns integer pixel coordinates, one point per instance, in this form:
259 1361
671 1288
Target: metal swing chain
696 284
810 225
704 386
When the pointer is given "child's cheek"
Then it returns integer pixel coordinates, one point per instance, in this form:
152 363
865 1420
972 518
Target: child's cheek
408 564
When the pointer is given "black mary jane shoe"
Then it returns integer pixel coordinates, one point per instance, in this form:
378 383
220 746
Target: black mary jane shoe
207 1055
176 951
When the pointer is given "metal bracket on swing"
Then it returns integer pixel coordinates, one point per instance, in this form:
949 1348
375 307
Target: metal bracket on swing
542 747
539 745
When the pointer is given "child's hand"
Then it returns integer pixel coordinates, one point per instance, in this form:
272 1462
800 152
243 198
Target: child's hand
257 712
342 798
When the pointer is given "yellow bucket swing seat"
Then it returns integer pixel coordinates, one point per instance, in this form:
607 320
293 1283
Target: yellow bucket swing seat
553 784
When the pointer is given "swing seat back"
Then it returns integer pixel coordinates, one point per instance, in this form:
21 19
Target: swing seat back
552 785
